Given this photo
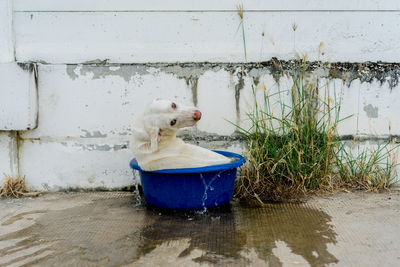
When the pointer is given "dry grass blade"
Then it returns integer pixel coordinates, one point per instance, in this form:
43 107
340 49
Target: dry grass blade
240 10
15 187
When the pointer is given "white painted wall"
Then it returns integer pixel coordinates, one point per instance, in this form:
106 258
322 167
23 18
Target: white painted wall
8 153
205 5
6 32
18 101
133 31
159 36
85 111
86 114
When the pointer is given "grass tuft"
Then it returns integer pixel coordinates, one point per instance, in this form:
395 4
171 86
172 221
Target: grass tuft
299 151
369 169
15 187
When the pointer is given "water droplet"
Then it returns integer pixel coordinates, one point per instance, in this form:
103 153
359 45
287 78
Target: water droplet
136 177
208 186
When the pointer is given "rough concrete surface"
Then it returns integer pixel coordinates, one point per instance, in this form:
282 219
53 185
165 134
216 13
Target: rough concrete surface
110 229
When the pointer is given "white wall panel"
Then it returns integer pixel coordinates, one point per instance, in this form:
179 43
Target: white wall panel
80 101
18 97
52 166
75 164
86 110
86 113
90 101
205 5
6 33
75 37
374 107
8 154
216 100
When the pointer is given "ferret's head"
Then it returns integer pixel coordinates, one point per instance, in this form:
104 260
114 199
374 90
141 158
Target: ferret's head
164 118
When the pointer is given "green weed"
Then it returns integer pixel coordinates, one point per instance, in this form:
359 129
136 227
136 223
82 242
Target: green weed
299 150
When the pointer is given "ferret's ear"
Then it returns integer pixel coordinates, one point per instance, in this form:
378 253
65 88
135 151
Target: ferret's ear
155 137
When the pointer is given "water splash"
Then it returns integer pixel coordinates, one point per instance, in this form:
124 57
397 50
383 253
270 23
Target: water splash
206 188
136 177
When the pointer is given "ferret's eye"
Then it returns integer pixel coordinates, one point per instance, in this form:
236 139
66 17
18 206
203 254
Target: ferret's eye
173 105
173 122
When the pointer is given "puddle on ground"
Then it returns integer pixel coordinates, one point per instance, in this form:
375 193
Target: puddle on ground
112 231
75 236
227 234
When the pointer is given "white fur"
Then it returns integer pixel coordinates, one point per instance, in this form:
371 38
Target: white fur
154 141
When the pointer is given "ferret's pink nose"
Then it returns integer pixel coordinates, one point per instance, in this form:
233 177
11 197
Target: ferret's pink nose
197 115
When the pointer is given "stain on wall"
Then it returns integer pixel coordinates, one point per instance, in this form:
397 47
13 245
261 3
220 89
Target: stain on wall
372 112
192 82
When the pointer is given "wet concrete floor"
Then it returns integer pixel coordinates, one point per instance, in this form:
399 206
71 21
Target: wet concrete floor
109 229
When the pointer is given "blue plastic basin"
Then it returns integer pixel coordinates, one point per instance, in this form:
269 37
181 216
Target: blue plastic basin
190 188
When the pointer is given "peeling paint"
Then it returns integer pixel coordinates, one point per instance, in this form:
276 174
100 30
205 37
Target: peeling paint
187 70
190 73
71 71
372 112
366 72
348 72
101 71
120 147
197 135
104 147
99 147
97 61
213 141
95 134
